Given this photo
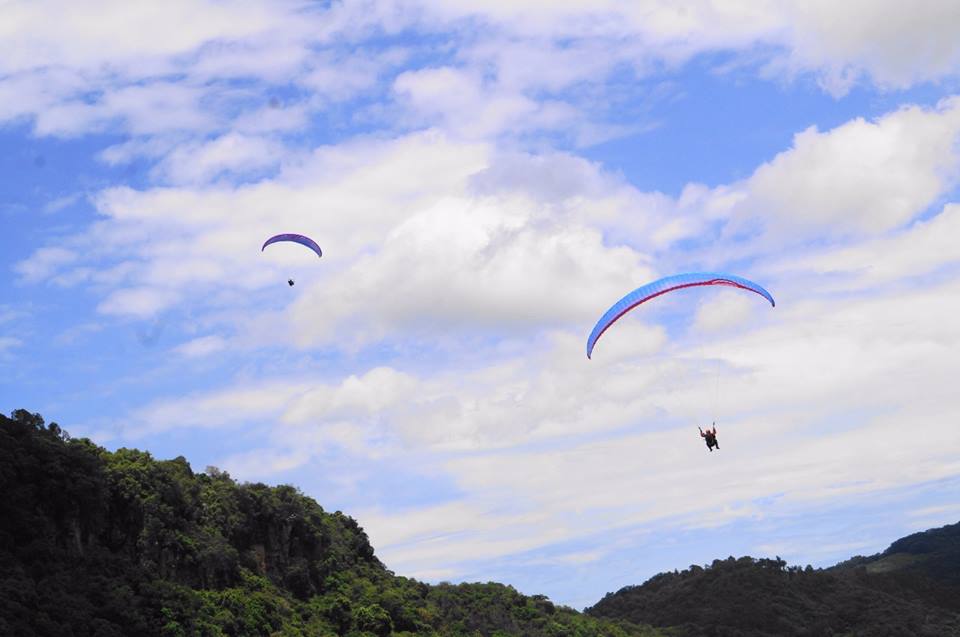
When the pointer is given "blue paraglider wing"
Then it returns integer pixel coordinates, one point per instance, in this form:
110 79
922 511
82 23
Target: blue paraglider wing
664 285
296 238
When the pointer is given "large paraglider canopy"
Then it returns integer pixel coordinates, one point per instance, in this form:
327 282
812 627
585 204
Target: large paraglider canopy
295 238
664 285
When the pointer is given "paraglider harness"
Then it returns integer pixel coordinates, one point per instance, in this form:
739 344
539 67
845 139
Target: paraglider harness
710 436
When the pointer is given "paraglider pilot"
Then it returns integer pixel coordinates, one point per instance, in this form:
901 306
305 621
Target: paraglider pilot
710 436
290 282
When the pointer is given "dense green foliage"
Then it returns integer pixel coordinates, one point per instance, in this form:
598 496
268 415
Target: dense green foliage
102 544
756 598
934 553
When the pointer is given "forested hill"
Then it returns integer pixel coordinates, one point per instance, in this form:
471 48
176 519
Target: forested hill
909 589
107 544
934 553
96 543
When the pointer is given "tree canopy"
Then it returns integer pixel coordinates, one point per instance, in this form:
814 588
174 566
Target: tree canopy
96 543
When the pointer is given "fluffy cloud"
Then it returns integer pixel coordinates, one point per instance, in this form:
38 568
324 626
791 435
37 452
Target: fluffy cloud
142 35
401 224
139 302
78 74
228 407
805 434
548 432
194 69
724 312
354 399
460 262
923 248
44 262
459 102
532 418
894 45
231 153
859 180
461 274
425 235
861 177
202 346
814 354
534 46
114 63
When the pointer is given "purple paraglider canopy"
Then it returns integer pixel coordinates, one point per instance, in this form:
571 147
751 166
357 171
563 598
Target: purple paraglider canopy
296 238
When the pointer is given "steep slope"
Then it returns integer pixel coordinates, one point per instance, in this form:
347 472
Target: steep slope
102 544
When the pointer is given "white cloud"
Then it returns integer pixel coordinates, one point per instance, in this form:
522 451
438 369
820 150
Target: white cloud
140 302
950 510
24 94
76 74
147 109
532 46
10 312
444 242
44 262
436 535
226 408
822 399
548 432
481 263
272 119
812 549
893 44
174 77
858 179
60 203
355 397
805 353
671 30
402 223
725 311
129 38
259 464
337 78
202 346
919 250
458 101
7 343
231 153
265 56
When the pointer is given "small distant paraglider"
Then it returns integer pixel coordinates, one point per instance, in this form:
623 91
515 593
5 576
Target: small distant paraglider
294 238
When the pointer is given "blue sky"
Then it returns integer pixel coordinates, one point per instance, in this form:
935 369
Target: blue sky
485 183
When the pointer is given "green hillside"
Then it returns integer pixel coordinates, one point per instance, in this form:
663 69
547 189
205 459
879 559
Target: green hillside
895 594
105 544
96 543
934 553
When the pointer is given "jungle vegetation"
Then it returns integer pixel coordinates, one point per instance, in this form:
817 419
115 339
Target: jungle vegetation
98 543
95 543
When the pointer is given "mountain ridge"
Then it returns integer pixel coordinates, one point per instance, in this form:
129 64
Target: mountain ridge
95 543
911 588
